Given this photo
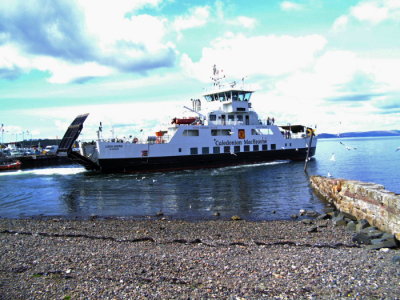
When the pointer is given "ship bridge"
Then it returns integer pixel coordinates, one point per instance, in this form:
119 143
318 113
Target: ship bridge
235 108
232 100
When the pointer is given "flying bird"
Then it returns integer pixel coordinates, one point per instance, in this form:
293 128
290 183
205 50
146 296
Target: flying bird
333 157
398 149
348 148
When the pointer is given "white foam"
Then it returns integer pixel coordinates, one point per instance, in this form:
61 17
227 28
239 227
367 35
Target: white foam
239 167
46 172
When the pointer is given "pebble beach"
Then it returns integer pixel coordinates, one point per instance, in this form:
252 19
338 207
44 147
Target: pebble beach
172 259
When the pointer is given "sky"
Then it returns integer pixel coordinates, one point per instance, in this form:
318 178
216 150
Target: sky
134 64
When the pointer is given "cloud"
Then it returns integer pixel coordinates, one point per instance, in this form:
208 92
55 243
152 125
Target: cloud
246 22
372 12
290 6
340 23
86 38
197 17
269 55
390 103
355 97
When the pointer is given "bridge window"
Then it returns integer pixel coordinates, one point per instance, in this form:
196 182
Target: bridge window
255 132
213 117
231 118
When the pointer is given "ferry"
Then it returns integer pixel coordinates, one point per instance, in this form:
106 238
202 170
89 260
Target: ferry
229 132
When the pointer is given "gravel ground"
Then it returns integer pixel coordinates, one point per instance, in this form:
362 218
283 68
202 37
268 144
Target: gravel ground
164 259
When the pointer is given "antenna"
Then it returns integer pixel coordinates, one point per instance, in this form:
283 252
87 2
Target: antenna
217 76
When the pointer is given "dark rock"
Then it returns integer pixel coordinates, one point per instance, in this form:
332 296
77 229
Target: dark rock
382 243
307 221
294 217
361 238
366 236
313 229
361 224
312 214
348 216
372 232
330 209
351 226
396 259
324 217
339 222
159 214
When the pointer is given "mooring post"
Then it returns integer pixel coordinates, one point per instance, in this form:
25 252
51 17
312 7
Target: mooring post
308 152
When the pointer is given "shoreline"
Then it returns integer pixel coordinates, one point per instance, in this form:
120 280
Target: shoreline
123 258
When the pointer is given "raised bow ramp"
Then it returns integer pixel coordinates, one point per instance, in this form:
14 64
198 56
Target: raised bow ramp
67 142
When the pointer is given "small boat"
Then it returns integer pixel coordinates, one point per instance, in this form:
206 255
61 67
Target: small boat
9 164
229 132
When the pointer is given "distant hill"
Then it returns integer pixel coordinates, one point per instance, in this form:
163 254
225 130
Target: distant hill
361 134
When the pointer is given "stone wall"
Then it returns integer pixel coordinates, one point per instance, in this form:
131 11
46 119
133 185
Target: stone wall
369 201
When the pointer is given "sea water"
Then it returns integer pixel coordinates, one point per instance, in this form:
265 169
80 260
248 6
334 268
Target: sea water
266 191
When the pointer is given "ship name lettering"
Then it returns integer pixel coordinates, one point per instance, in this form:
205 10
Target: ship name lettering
227 143
255 142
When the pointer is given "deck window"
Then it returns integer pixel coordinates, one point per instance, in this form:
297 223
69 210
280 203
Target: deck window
216 150
191 132
227 149
219 132
273 146
264 147
246 148
255 148
231 118
193 151
236 149
205 150
239 118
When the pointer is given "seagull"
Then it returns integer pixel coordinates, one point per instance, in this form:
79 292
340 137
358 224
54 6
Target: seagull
233 153
333 157
348 148
329 174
